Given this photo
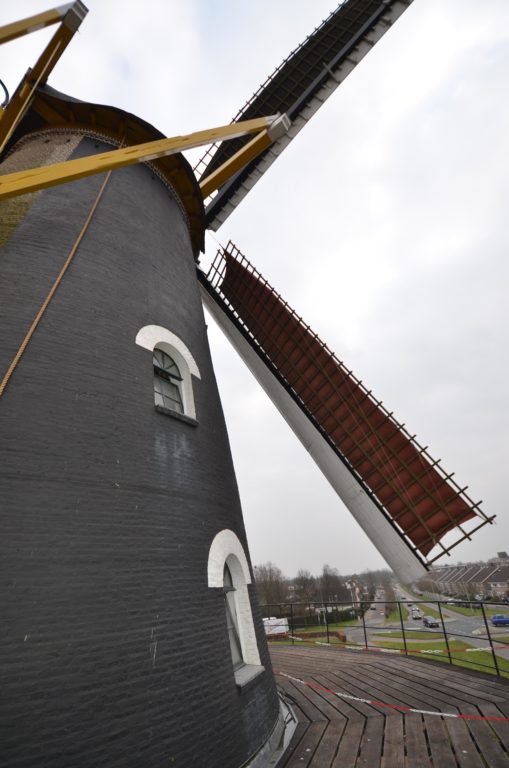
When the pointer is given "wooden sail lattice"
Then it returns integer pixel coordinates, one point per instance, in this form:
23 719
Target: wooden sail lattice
299 87
408 486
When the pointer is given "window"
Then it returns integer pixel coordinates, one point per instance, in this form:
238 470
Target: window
173 370
228 569
232 621
167 382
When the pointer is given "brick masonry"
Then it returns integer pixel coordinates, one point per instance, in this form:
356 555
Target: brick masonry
114 650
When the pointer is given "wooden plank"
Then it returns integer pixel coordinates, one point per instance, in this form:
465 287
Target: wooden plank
303 754
458 679
337 682
298 734
398 690
500 728
416 747
371 743
295 741
503 706
341 733
328 747
392 689
298 693
345 708
439 744
324 700
440 690
488 744
393 753
349 747
463 745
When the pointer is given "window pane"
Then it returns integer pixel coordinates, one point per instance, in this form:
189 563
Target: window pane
233 637
171 395
166 363
231 618
167 394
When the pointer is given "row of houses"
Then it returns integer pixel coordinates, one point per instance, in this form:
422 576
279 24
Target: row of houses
472 580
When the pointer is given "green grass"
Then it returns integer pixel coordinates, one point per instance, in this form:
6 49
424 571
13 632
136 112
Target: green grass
322 627
439 645
394 615
307 630
475 611
333 640
426 610
480 660
414 594
413 634
347 623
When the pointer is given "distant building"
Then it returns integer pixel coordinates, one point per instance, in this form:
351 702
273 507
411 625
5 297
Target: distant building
471 579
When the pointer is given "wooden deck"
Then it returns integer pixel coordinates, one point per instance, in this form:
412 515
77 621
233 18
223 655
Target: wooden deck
337 730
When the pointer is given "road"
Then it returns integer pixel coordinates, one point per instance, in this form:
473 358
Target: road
469 629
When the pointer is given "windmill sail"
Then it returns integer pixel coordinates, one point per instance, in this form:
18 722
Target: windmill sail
299 87
398 493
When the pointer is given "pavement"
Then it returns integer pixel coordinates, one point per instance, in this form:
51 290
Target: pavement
469 629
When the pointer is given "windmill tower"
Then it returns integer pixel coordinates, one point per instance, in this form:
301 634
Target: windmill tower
133 631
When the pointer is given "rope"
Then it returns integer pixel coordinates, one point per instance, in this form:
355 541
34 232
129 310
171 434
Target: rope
17 357
6 94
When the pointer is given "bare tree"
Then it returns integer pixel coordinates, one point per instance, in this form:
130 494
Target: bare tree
390 596
332 586
271 585
305 585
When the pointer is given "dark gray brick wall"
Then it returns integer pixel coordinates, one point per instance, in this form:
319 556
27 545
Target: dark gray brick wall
113 649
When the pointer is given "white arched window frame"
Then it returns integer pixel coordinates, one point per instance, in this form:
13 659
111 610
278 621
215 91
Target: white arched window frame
152 336
227 549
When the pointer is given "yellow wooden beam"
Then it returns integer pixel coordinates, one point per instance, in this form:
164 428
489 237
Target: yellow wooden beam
33 23
18 105
235 163
32 180
252 149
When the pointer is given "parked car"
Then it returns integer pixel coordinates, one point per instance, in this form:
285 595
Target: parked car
429 621
499 620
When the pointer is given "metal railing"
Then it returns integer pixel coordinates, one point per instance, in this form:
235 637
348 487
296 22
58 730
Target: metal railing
460 632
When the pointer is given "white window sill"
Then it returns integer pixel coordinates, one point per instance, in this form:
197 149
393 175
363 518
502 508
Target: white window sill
176 415
247 673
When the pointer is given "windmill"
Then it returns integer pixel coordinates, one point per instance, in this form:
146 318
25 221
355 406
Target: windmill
114 327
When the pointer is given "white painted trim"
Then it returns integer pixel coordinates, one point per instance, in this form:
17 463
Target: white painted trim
151 336
385 538
225 543
226 548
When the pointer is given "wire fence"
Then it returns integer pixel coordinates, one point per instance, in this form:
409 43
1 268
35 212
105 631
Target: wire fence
470 634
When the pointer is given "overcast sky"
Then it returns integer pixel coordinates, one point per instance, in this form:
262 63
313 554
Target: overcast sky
384 224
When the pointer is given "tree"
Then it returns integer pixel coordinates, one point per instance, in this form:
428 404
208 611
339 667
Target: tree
271 585
305 586
390 597
332 586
